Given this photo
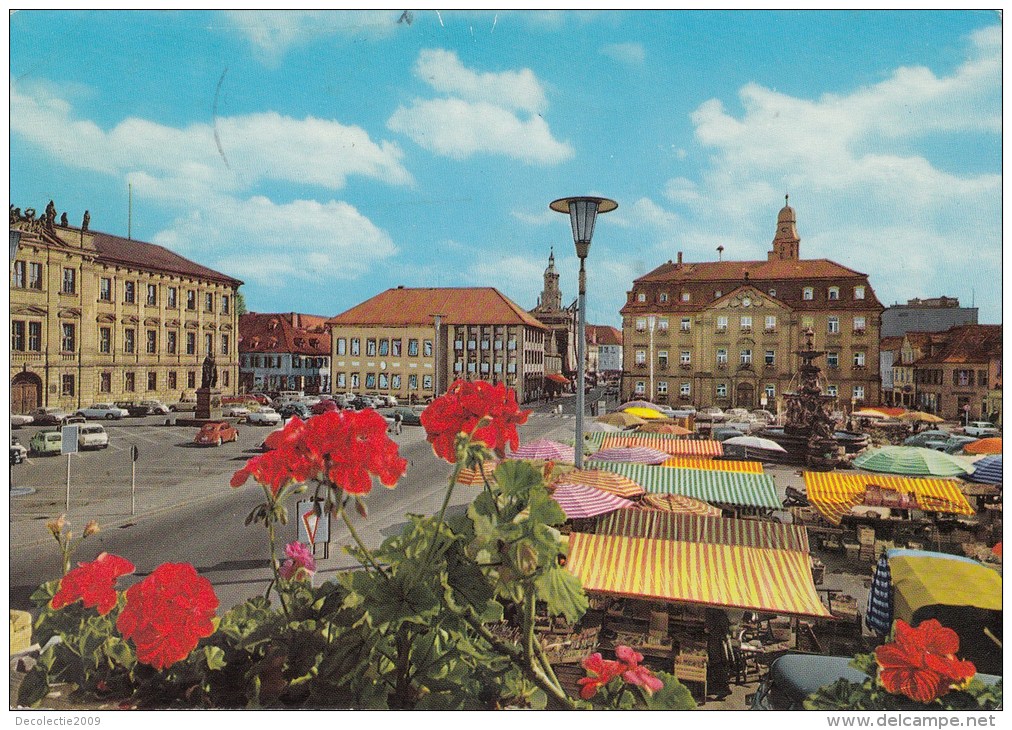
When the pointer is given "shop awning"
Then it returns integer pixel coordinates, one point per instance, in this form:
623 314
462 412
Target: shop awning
664 442
834 494
716 573
704 528
688 462
716 487
556 378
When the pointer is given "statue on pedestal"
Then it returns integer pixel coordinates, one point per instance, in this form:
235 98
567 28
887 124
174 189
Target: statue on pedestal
209 372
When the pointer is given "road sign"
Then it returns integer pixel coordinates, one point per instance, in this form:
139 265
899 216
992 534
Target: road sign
68 444
313 529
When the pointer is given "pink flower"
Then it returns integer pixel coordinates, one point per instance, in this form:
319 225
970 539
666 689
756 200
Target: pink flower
643 677
300 563
600 671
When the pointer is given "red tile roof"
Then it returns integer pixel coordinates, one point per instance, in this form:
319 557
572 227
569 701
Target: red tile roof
969 343
458 305
260 332
757 270
598 334
890 343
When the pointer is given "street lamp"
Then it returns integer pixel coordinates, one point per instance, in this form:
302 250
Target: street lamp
582 215
651 322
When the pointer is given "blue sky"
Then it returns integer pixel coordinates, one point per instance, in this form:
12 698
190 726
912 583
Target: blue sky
322 157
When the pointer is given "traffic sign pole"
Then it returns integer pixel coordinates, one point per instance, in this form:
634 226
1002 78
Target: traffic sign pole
133 480
68 483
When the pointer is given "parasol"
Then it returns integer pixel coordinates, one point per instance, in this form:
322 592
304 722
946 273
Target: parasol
754 442
990 445
670 428
579 501
545 450
605 481
647 413
680 504
630 455
911 461
621 419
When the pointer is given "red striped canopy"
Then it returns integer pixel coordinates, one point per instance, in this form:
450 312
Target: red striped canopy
629 455
606 481
545 450
664 442
579 501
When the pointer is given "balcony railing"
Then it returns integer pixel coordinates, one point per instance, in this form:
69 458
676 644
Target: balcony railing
23 357
747 330
769 330
859 332
641 365
721 330
722 366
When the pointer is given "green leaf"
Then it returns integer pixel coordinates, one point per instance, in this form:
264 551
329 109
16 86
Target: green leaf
119 652
563 593
45 592
673 696
34 688
545 510
517 478
215 658
865 663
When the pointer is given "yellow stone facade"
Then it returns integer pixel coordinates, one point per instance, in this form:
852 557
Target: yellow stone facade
379 359
88 326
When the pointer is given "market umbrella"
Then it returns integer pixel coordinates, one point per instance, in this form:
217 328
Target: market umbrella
630 455
606 481
601 428
472 477
879 616
987 470
657 427
869 413
646 413
621 419
754 442
636 404
921 417
911 461
546 450
680 504
579 501
991 445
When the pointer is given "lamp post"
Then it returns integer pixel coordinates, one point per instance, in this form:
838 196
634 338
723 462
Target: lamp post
438 319
582 215
651 323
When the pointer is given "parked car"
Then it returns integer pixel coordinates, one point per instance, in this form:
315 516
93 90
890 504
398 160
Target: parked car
106 411
215 433
980 429
47 441
409 416
294 408
48 416
154 407
184 405
764 415
18 452
74 418
20 419
235 411
952 445
324 406
92 436
713 413
264 416
360 402
723 433
925 437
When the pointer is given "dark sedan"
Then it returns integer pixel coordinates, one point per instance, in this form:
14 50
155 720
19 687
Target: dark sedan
294 409
408 416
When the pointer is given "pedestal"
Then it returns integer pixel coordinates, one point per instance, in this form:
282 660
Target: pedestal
208 404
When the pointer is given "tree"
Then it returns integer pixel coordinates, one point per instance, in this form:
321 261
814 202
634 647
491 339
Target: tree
240 303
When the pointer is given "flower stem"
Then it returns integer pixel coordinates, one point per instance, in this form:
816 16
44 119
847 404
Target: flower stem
361 545
274 565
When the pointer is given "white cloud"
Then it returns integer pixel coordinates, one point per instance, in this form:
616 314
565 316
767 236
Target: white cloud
630 53
273 32
485 113
541 218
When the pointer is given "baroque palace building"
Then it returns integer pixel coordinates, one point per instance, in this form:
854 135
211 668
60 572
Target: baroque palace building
723 333
99 318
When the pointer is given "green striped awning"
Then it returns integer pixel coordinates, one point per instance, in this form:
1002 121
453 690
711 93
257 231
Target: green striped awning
716 487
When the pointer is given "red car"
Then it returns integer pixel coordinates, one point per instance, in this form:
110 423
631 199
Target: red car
216 433
324 406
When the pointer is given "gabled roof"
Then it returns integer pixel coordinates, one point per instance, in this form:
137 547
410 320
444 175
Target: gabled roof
275 333
599 334
970 343
457 305
890 343
759 270
148 256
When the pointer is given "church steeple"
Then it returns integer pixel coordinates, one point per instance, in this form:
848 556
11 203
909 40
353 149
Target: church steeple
551 295
786 243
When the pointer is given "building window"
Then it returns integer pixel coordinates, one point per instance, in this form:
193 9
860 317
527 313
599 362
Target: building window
641 297
662 358
209 302
686 296
685 358
427 348
662 388
152 295
17 335
773 293
858 392
69 280
224 303
833 359
34 276
356 347
426 382
384 381
224 377
686 324
172 302
18 275
834 325
859 359
771 393
208 344
67 385
191 300
834 293
341 346
722 323
717 294
858 325
641 387
191 343
152 344
641 324
69 343
746 357
663 297
224 345
746 324
172 380
297 361
831 390
412 382
370 347
170 342
395 381
859 292
105 340
395 348
129 292
662 325
191 379
152 380
105 289
413 348
384 347
105 383
808 293
771 323
129 382
339 382
128 340
354 381
35 336
722 390
722 356
684 389
370 380
641 357
771 357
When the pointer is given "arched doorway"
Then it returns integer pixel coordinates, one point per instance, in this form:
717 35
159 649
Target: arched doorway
26 392
744 396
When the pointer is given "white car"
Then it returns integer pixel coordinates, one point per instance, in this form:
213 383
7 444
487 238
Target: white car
20 419
264 417
92 436
104 410
980 429
235 411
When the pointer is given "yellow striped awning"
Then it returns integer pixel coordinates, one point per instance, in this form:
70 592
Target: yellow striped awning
713 574
834 494
704 528
662 442
688 462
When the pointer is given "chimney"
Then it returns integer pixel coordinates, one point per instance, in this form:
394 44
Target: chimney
720 253
295 319
679 257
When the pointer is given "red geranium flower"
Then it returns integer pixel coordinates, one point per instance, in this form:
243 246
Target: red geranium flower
167 613
345 448
460 410
921 662
601 671
94 583
634 672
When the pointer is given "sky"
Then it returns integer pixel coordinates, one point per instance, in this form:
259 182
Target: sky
323 156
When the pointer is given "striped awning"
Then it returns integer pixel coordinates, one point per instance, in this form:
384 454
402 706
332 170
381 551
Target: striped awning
474 476
579 501
606 481
687 462
663 442
678 503
704 528
709 573
716 487
834 494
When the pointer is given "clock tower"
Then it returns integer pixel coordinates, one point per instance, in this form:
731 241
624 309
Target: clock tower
786 243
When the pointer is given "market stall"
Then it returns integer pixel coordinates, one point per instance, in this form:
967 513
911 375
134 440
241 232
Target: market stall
735 490
688 462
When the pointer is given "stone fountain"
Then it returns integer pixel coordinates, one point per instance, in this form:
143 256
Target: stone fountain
808 432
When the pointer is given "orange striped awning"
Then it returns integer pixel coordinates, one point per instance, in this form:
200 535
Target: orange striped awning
473 477
678 503
712 574
834 494
688 462
665 443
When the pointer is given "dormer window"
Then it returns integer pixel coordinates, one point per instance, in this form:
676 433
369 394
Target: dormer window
718 294
773 293
859 292
686 296
808 293
834 293
641 297
663 297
